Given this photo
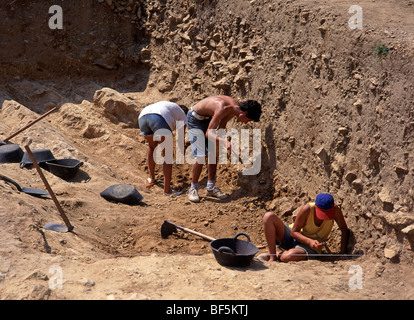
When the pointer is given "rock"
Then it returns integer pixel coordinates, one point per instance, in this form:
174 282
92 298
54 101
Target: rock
357 184
37 274
408 230
379 269
374 155
398 219
373 83
40 292
385 199
400 169
117 107
358 104
145 55
322 154
87 282
138 296
350 176
167 81
344 131
104 64
222 84
390 253
233 68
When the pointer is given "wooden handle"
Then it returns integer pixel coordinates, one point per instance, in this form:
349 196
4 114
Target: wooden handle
30 124
49 189
196 233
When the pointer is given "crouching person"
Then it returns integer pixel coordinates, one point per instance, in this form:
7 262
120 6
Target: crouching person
311 229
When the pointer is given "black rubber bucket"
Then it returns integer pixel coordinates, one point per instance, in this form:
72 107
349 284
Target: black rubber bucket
10 153
233 252
64 168
123 193
41 156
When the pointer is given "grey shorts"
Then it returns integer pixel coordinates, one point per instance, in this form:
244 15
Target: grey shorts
151 123
288 242
197 133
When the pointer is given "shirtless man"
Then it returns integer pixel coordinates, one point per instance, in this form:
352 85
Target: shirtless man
214 113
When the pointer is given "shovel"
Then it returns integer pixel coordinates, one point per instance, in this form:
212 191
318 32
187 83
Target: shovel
168 228
51 226
29 191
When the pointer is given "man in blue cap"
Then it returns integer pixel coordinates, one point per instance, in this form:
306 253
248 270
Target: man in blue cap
311 229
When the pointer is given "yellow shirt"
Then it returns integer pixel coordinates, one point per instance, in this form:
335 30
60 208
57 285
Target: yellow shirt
311 229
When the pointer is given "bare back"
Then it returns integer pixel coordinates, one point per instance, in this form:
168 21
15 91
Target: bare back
215 104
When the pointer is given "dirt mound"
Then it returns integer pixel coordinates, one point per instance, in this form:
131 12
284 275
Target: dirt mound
337 118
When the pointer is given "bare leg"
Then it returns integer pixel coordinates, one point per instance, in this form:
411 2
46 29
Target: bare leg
197 167
274 230
167 169
295 254
150 157
212 170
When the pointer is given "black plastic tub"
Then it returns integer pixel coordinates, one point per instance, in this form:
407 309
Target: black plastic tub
10 153
64 168
233 252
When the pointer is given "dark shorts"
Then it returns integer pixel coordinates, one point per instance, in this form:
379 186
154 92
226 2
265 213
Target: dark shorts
150 123
288 242
197 133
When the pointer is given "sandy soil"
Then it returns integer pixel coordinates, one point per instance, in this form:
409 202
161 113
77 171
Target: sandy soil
116 251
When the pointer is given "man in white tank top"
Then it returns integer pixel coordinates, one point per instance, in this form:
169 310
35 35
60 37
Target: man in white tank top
163 117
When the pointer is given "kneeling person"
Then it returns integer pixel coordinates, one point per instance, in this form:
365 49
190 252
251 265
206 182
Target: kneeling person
312 226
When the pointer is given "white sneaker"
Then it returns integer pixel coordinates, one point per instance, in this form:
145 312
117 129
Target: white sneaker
193 195
216 192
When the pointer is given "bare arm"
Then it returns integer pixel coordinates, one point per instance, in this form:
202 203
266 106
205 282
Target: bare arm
300 222
219 121
340 220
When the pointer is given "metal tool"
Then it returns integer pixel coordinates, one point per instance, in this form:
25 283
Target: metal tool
169 228
323 243
29 191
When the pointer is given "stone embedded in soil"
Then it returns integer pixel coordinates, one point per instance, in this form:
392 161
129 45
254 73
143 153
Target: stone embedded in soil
390 253
322 154
385 199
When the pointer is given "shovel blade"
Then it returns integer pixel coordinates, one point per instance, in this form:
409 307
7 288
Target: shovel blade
35 192
167 229
56 227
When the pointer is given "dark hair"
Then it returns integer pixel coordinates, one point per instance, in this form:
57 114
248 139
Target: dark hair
184 108
252 108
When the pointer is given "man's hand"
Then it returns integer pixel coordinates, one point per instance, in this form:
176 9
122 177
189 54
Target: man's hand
314 244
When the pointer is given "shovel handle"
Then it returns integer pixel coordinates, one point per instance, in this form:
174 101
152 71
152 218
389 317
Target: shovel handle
11 181
196 233
49 189
30 124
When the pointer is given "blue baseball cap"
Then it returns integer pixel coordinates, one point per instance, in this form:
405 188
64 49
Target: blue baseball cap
325 206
